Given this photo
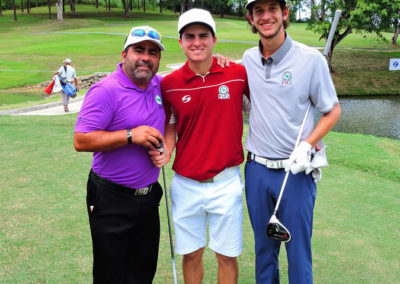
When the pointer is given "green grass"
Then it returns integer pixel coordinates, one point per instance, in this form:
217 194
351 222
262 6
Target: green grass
44 231
29 97
36 43
16 98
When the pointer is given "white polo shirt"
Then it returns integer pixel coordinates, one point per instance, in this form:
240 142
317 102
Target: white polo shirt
70 74
281 88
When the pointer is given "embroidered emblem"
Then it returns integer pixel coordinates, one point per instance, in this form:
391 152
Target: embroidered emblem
186 99
158 100
223 93
287 78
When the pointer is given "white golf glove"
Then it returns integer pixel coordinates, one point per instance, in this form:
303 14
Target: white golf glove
317 174
299 160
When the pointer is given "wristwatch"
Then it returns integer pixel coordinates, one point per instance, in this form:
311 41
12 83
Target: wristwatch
129 136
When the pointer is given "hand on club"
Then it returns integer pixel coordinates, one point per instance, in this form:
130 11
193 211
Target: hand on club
299 160
160 159
147 136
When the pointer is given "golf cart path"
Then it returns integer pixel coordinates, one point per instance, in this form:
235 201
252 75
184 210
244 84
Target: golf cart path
56 108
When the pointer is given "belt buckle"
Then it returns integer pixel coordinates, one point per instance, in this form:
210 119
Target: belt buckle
142 191
210 180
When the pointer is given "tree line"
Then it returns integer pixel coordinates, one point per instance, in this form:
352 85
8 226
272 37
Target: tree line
358 16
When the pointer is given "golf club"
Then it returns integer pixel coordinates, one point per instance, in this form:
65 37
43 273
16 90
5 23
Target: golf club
160 148
275 229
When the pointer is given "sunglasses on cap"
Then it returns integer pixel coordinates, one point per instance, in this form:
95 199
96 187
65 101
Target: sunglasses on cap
141 33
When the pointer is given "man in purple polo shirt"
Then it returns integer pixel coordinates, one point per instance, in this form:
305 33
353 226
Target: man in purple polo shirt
122 121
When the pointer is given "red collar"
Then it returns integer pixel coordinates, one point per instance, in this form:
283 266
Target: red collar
188 74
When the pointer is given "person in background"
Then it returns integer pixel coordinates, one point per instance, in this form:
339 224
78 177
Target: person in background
121 121
68 74
203 104
285 78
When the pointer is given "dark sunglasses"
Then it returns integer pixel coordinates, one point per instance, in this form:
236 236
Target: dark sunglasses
141 33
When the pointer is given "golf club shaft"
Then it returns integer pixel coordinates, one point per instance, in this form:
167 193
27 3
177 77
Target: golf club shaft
169 228
287 173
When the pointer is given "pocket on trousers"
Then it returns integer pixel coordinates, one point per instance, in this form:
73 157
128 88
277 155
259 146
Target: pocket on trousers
91 195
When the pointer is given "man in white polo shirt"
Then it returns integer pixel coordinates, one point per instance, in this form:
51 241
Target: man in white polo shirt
68 74
285 78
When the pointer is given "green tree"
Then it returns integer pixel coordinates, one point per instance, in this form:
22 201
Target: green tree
49 7
385 16
14 9
396 28
295 6
390 17
357 16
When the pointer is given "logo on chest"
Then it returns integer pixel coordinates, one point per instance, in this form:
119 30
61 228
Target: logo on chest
158 100
287 78
186 99
223 93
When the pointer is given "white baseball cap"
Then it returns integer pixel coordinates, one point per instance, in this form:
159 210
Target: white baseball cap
196 16
69 61
143 33
250 2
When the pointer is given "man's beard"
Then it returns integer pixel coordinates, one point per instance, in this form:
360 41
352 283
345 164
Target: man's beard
143 75
270 36
139 75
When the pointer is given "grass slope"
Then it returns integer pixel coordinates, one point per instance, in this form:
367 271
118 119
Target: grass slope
44 231
37 46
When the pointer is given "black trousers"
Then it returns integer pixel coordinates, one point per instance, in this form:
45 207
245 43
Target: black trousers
125 231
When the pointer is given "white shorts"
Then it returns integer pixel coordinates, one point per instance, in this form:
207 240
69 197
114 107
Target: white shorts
220 202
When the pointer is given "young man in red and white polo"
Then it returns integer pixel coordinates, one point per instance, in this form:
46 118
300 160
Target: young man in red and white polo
203 104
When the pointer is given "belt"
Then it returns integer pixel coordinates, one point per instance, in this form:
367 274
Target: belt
224 174
271 164
136 191
144 190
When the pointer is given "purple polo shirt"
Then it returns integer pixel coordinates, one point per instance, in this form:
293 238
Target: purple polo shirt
116 103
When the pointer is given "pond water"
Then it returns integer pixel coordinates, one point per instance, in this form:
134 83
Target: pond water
374 115
377 115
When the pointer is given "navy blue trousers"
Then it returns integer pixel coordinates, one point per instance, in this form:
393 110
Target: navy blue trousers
295 213
125 232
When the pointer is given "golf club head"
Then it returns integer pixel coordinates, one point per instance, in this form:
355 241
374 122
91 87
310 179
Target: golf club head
277 231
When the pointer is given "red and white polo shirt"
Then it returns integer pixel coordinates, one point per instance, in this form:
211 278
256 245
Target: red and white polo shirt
207 111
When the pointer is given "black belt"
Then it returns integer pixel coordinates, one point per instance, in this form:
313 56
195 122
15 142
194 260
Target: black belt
117 187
